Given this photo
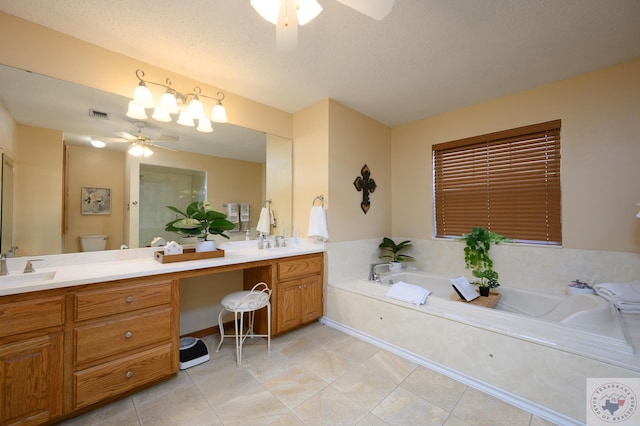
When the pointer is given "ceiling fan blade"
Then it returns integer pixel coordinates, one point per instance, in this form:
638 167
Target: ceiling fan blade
376 9
167 138
163 147
125 135
287 27
119 140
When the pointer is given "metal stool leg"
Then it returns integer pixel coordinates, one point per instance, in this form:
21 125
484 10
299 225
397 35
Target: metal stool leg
221 327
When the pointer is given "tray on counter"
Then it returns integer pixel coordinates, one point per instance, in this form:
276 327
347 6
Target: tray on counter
188 254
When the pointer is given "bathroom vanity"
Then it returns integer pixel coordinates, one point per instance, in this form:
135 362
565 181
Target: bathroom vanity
103 329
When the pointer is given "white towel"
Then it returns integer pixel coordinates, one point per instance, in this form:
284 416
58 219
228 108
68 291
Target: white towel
264 222
619 292
232 212
244 212
318 223
408 293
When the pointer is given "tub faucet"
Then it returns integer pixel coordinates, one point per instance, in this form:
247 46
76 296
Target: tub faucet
373 275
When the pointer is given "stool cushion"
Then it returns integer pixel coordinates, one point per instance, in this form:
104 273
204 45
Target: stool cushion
245 300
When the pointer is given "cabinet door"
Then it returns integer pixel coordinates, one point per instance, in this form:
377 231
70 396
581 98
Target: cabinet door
288 305
311 299
31 386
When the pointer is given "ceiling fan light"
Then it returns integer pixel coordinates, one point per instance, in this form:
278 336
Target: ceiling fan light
142 96
219 114
204 125
268 9
307 10
136 112
196 110
169 103
161 114
185 119
146 151
98 144
135 150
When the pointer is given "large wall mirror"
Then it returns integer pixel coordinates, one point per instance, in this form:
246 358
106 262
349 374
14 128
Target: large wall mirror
241 166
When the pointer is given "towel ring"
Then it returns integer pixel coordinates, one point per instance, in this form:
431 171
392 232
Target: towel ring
319 197
266 202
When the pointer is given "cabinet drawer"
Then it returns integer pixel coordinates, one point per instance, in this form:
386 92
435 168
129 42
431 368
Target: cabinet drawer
116 336
27 315
113 378
122 298
299 267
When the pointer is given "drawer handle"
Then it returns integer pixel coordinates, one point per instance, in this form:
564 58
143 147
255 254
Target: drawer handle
129 374
128 335
129 299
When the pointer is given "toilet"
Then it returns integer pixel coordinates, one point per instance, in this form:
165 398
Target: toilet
93 242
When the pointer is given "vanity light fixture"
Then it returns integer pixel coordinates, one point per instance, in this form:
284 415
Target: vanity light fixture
187 105
306 10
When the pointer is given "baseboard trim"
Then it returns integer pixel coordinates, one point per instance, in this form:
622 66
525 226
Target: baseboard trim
517 401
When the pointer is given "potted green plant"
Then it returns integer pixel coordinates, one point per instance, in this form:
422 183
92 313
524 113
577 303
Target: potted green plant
391 251
477 259
199 220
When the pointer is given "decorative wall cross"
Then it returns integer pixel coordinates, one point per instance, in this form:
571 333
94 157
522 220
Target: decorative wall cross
366 185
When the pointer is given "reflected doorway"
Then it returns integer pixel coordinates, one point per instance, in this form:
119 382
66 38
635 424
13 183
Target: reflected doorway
160 187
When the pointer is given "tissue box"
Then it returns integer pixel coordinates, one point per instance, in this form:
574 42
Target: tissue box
173 248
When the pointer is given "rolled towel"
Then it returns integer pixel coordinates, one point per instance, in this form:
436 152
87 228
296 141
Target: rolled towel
408 293
619 292
264 222
628 307
318 223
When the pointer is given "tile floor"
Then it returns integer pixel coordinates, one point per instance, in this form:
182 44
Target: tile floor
313 376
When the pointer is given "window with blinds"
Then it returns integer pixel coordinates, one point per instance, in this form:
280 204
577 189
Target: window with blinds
507 182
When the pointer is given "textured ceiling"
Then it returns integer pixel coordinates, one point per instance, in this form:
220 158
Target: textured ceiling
425 58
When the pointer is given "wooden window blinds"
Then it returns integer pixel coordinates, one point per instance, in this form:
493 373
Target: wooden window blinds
507 182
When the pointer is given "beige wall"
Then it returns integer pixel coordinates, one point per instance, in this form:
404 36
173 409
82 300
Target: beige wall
8 132
101 169
278 184
600 149
38 227
310 160
356 140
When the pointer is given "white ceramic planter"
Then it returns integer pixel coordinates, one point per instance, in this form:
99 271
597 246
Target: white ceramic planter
395 266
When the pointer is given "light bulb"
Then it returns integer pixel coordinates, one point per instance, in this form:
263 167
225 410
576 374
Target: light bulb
161 114
204 125
196 110
136 112
169 103
185 119
219 114
142 96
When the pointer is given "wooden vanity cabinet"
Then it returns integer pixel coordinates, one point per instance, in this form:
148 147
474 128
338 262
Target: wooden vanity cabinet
297 292
125 335
31 358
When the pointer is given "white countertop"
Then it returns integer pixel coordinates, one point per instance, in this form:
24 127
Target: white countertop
92 267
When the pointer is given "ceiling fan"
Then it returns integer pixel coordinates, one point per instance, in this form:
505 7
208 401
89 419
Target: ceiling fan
140 144
286 15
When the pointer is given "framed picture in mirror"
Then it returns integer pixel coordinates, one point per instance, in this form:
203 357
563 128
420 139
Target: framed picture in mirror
96 200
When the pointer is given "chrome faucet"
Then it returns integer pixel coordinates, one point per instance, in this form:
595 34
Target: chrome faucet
3 264
373 275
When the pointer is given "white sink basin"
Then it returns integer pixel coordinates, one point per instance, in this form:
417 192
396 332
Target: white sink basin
21 278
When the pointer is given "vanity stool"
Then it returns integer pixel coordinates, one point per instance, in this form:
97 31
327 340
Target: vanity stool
246 302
